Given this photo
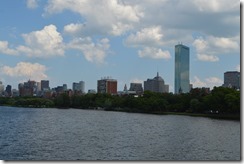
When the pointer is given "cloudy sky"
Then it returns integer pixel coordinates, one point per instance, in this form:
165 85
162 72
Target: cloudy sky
67 41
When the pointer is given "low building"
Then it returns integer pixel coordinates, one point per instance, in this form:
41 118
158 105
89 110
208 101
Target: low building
156 85
137 88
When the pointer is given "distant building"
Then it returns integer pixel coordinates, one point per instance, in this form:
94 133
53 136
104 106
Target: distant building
39 87
156 85
28 88
79 87
59 89
65 88
107 85
15 93
45 85
137 87
232 79
92 91
8 90
1 88
182 69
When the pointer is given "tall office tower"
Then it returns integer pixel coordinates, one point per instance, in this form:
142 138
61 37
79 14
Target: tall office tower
9 90
107 85
182 69
232 79
44 85
156 85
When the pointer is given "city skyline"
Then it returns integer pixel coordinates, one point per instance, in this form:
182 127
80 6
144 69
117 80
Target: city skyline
66 42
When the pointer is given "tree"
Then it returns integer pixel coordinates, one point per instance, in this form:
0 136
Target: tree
63 101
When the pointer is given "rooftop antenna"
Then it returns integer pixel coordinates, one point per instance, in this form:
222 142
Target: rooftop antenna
157 71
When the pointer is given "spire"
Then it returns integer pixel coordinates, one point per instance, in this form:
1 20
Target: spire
157 74
125 88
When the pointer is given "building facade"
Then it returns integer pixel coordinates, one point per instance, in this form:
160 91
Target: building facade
232 79
156 85
137 87
8 90
79 87
45 85
28 88
107 86
1 88
182 69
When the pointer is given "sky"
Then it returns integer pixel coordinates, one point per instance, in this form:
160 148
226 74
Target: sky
66 41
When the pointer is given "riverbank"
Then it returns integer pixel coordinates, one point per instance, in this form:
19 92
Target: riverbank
215 116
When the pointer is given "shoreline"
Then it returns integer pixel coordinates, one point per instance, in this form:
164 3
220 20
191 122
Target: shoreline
214 116
234 117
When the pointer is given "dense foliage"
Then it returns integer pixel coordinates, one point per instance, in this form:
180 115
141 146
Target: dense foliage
27 102
220 101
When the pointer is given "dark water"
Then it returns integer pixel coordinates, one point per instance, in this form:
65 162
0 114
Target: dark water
54 134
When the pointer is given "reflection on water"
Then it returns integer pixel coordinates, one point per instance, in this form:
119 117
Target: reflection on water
53 134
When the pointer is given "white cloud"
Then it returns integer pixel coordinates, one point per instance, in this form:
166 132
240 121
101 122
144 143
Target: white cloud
32 4
214 80
93 52
103 17
207 82
136 80
73 29
208 58
208 48
26 70
198 83
44 43
4 48
147 36
154 53
216 6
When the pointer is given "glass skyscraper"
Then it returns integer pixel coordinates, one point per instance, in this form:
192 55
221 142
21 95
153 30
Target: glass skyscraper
182 67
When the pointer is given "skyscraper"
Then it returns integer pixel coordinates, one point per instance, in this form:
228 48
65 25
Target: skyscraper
182 69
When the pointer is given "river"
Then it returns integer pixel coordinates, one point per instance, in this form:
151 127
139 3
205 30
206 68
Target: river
60 134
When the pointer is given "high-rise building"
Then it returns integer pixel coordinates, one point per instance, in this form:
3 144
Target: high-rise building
9 90
137 87
45 85
156 85
107 85
28 88
182 69
1 88
65 87
232 79
79 87
39 86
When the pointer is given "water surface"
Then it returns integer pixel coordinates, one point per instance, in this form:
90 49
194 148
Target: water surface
54 134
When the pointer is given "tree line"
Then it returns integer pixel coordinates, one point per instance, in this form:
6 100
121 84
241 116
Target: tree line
220 101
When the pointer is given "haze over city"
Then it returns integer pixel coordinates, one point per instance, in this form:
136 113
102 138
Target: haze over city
128 40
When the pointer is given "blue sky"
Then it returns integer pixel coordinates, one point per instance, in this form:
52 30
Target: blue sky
129 40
